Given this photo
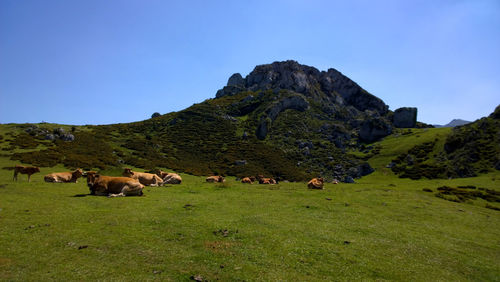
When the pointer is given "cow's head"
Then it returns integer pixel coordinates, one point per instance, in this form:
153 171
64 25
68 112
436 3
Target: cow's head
91 178
162 173
321 179
127 172
36 169
77 173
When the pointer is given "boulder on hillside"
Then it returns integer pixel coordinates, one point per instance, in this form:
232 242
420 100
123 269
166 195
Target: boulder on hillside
261 131
67 137
405 117
374 129
348 179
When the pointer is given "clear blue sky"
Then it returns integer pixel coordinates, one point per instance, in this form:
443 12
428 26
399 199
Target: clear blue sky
101 62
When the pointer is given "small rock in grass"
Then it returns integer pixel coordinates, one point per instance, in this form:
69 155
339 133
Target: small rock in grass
197 277
83 247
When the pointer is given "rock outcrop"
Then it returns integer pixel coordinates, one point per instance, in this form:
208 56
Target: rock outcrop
405 117
295 102
374 129
330 87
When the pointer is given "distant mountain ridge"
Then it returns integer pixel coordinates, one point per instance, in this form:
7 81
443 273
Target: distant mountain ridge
453 123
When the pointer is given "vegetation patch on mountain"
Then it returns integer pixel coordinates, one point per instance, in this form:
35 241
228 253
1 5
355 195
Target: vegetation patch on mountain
467 151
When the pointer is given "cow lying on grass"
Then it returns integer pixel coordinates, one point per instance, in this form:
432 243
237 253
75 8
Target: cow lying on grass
148 179
169 178
315 183
263 180
60 177
100 185
215 178
246 180
29 170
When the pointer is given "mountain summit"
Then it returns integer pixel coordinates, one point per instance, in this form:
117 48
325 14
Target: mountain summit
331 88
334 95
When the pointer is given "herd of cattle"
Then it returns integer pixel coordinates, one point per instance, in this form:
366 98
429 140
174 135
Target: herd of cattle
132 182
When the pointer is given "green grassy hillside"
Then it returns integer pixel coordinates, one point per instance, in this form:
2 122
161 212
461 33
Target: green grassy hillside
463 151
383 227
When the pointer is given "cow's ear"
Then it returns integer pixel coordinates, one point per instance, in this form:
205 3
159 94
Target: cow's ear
132 173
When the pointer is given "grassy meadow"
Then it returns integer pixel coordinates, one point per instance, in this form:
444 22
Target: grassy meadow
380 228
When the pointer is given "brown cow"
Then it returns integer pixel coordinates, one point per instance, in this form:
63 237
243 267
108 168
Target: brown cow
115 186
91 175
144 178
215 178
246 180
169 178
60 177
172 178
315 183
29 170
263 180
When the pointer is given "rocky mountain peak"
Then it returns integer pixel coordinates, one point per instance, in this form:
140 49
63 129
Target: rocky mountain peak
328 87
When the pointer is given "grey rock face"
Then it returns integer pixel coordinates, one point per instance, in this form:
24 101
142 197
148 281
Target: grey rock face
59 131
261 131
67 137
348 179
405 117
296 102
50 137
236 80
290 75
374 129
240 162
391 165
229 91
410 160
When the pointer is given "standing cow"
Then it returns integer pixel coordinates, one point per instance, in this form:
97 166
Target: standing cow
29 170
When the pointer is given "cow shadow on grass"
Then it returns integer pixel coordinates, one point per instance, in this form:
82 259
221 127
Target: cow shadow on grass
80 195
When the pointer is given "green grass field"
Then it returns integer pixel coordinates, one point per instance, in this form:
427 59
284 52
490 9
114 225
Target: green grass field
380 228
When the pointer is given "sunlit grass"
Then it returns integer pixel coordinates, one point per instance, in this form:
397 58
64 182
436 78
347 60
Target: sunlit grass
383 227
